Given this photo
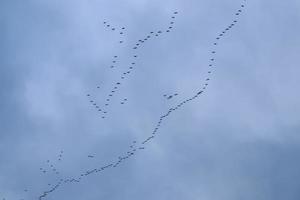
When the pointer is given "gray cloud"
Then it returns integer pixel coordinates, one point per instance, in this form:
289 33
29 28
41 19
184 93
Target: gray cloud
237 141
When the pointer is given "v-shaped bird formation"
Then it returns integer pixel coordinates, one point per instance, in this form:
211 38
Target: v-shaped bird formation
52 166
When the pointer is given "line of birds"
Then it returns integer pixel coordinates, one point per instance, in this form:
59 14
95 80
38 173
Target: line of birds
103 110
135 147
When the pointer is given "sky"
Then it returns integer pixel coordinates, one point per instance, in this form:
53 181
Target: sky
236 138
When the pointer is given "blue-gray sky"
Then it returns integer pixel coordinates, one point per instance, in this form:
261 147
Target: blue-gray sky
237 140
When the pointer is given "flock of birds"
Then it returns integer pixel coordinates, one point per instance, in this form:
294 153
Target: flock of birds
135 146
103 109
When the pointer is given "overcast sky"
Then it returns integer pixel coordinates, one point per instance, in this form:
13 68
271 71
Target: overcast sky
239 139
